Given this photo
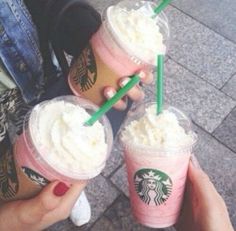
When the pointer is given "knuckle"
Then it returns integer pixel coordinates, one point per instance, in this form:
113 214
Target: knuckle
45 204
26 219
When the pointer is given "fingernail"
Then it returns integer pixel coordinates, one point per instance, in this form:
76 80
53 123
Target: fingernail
124 82
142 74
60 189
110 94
195 162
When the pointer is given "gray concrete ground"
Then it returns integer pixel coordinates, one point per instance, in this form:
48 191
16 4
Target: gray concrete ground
200 78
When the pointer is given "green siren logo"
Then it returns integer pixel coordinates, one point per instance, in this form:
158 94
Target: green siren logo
86 71
153 187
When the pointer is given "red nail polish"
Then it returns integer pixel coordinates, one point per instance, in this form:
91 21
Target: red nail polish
60 189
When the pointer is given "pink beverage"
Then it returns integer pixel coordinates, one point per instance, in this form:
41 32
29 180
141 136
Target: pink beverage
157 159
55 144
119 48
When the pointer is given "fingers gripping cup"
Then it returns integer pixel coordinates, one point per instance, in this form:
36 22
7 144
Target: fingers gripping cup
157 151
128 41
56 145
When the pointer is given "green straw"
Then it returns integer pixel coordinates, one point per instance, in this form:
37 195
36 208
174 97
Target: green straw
159 83
160 7
109 103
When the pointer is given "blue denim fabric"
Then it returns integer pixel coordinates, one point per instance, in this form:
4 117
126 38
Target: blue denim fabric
19 49
19 52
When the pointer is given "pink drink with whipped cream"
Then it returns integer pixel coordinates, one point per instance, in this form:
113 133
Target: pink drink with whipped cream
128 41
157 151
56 145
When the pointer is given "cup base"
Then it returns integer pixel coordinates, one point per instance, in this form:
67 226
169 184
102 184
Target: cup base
154 225
155 222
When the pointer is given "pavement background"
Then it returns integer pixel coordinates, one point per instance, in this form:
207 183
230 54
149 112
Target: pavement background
200 79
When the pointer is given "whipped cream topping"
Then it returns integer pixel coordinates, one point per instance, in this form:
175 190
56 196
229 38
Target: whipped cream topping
63 139
138 32
162 131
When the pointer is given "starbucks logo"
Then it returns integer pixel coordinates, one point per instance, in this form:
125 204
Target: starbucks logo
86 71
152 186
35 177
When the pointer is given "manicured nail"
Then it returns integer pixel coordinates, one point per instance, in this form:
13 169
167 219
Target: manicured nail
60 189
195 162
124 82
142 74
110 94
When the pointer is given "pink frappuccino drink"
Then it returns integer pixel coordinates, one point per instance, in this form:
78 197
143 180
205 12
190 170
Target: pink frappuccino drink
56 145
127 41
157 151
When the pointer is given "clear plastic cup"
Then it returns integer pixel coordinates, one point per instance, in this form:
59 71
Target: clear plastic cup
109 56
156 175
146 8
31 154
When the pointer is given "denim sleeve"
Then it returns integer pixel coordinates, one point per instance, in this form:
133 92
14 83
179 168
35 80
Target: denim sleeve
19 49
69 23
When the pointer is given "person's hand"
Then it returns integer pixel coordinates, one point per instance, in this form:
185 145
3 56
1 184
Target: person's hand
136 93
203 209
53 204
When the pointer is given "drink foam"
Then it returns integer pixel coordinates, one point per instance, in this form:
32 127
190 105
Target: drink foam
157 131
64 141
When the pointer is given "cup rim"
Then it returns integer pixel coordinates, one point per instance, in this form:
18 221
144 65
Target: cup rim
122 44
162 151
62 170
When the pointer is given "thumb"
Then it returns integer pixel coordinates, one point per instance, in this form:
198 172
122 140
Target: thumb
32 211
201 185
208 206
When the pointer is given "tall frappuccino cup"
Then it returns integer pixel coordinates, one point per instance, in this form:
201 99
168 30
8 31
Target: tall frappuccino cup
56 145
128 41
157 151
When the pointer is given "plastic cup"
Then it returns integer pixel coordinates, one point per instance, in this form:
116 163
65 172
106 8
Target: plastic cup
33 167
156 176
108 57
